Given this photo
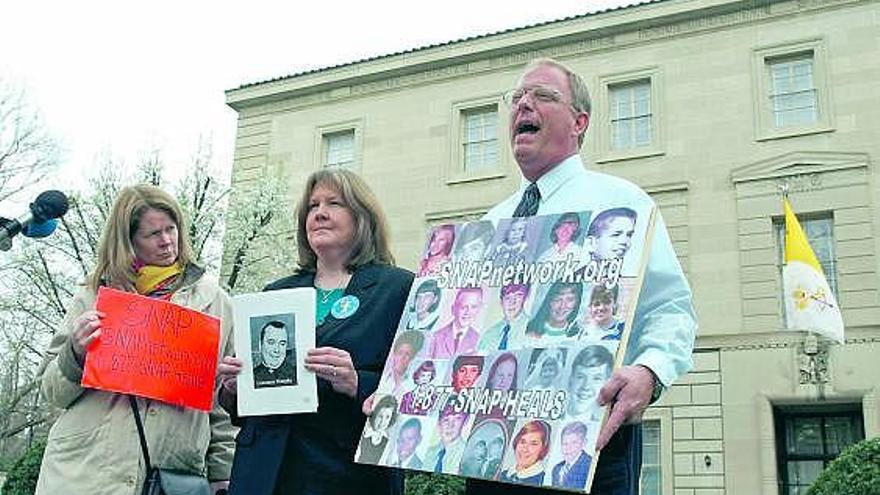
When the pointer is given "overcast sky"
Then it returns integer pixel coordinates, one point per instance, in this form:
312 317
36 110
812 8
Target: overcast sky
126 77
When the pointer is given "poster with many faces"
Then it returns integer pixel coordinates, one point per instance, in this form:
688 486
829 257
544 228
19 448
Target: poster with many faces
508 334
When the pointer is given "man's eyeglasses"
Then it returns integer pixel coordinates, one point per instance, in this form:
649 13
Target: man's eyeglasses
542 94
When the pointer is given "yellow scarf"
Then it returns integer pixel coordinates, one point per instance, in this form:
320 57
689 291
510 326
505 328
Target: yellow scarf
149 277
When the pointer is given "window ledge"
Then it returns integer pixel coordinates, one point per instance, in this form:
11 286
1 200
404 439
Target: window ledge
491 175
633 154
793 132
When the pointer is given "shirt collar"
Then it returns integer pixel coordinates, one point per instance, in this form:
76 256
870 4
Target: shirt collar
551 181
522 317
530 471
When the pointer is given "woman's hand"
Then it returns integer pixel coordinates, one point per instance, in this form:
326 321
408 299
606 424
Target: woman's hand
335 366
87 328
367 406
228 371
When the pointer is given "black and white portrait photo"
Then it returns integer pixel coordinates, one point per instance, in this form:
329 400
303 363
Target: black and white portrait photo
274 349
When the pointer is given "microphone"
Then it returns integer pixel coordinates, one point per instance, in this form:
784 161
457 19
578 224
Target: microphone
37 230
39 221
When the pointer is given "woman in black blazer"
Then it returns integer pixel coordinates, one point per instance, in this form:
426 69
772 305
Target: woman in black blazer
343 249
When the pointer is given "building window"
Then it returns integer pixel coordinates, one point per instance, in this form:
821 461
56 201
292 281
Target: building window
651 481
480 139
631 125
819 229
631 114
792 90
339 149
476 133
807 439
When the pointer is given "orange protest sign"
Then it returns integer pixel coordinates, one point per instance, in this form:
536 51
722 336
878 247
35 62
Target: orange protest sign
153 348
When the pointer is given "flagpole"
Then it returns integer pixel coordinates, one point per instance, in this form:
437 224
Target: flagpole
783 187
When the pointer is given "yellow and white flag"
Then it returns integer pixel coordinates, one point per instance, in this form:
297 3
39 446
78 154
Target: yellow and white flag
809 303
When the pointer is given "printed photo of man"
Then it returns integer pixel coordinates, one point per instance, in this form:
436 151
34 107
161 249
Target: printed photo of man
572 471
408 439
611 232
493 458
473 459
445 455
460 335
508 332
590 369
276 367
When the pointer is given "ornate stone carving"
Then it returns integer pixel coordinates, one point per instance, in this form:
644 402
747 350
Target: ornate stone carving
800 182
813 361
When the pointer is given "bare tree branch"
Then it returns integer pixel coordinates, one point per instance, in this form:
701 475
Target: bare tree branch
27 151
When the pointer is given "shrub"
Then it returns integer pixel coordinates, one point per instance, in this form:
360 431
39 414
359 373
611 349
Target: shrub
22 477
433 484
856 471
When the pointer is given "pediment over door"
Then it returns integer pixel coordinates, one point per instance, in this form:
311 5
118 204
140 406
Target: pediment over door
798 164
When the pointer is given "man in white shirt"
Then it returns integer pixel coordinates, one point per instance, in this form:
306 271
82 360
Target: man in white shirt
549 114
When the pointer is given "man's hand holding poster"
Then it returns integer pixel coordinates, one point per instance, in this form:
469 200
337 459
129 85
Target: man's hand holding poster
510 332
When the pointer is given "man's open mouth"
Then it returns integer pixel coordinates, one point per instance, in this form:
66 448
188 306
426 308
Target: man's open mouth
527 127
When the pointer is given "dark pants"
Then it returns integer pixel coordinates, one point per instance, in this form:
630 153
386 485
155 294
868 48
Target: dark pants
620 464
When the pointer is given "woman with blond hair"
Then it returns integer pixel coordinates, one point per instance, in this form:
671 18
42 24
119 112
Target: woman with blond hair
438 251
343 251
93 447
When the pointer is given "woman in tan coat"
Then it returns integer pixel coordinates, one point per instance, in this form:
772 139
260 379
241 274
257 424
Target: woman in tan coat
93 447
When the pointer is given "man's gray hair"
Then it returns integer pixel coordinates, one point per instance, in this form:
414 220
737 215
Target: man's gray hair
580 95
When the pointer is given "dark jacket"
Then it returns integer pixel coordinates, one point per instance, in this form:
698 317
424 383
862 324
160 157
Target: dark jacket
576 477
313 453
283 375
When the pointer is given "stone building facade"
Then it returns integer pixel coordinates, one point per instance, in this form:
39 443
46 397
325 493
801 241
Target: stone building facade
711 106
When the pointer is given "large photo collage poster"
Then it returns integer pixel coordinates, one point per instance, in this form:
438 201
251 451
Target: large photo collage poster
508 334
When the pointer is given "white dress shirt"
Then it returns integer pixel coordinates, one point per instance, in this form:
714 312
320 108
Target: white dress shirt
665 324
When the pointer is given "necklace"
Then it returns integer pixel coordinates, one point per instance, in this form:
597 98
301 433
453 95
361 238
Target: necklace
326 293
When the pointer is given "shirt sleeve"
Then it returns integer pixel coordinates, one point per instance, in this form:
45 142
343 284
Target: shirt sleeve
665 324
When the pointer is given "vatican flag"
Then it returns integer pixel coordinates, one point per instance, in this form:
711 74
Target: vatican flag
809 303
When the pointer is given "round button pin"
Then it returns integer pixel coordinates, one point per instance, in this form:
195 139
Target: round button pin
345 307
